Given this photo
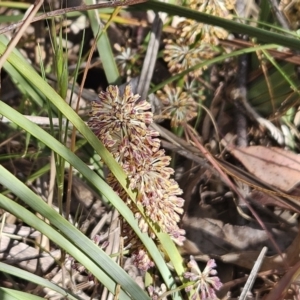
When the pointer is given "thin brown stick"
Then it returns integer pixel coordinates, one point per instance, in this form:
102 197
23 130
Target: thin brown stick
63 11
25 23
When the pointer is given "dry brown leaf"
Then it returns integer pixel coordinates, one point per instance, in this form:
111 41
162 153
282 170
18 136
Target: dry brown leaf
211 236
275 166
246 259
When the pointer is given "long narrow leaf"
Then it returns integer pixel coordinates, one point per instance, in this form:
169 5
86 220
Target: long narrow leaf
21 82
36 131
9 294
105 189
104 47
265 36
17 272
90 255
209 62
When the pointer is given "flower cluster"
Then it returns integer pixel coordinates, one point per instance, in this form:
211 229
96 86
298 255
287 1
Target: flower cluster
181 56
208 34
179 105
196 42
121 122
206 283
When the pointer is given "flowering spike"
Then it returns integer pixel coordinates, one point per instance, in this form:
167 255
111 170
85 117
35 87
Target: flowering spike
121 123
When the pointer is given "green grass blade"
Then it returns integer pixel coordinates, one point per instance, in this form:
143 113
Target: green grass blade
265 11
17 272
208 63
36 80
85 251
14 4
259 94
104 47
91 177
24 86
265 36
9 294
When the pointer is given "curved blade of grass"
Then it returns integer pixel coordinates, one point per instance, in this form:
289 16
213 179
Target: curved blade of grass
13 4
17 272
104 47
262 35
36 80
9 294
72 234
100 185
86 252
24 86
